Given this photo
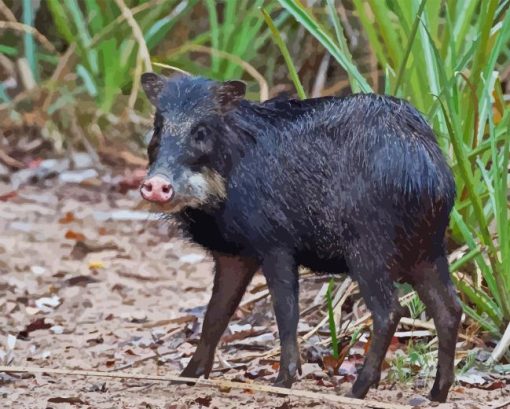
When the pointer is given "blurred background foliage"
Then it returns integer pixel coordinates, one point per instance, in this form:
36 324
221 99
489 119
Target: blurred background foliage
69 79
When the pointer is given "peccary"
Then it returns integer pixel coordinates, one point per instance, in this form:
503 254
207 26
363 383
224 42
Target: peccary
355 184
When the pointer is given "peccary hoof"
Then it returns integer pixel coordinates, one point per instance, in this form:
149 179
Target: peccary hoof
283 382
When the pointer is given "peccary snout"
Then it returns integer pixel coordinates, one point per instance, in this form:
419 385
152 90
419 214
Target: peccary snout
156 189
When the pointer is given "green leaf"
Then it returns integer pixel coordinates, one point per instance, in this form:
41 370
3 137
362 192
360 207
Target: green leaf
302 16
28 18
331 318
285 52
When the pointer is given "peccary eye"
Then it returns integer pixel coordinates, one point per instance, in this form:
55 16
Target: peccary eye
200 134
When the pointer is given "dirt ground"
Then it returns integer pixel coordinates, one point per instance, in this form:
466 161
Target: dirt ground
88 280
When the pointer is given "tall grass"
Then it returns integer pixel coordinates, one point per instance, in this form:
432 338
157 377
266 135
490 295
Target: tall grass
105 44
236 38
104 48
442 56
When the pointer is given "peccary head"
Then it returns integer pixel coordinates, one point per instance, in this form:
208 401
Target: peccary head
193 145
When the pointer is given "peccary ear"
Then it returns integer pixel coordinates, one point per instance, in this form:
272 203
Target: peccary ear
152 84
229 94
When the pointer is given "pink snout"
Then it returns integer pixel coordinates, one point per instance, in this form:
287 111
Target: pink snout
156 189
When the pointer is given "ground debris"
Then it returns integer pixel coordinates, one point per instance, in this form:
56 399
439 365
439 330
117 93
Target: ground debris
89 281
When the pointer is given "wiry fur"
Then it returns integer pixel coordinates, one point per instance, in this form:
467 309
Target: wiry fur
355 185
312 174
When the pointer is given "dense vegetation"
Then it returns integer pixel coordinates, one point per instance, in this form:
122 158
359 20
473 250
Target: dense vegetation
70 71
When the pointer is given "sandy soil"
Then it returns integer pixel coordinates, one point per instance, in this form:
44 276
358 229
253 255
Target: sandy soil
81 291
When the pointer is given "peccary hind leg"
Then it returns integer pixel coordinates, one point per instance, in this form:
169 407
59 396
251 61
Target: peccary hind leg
437 292
280 271
381 298
232 276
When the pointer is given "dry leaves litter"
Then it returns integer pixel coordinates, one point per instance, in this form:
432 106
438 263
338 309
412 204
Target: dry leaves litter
89 280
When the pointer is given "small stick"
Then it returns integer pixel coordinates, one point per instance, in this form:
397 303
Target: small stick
6 11
143 51
19 27
427 325
345 290
210 382
9 161
501 347
253 298
501 405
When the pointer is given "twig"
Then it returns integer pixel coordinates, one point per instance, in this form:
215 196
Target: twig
350 327
209 382
223 362
344 291
427 325
77 130
9 161
276 350
6 11
63 62
136 82
26 75
501 347
501 405
320 78
137 33
14 25
120 19
172 67
250 69
256 297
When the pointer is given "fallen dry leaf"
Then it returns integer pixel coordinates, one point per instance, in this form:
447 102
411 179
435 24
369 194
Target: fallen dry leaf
73 235
68 218
81 280
258 372
204 401
332 364
35 325
96 265
93 322
73 400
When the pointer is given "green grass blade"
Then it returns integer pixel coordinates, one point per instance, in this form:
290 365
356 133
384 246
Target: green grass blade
28 38
481 300
285 52
331 318
333 15
500 166
457 264
215 32
480 261
387 30
342 42
9 51
158 29
87 79
3 95
409 46
94 16
486 324
83 35
371 33
303 17
431 56
467 176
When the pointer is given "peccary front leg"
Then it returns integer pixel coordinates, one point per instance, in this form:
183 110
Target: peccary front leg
437 292
232 276
280 270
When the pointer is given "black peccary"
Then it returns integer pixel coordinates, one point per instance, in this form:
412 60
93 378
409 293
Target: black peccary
355 184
